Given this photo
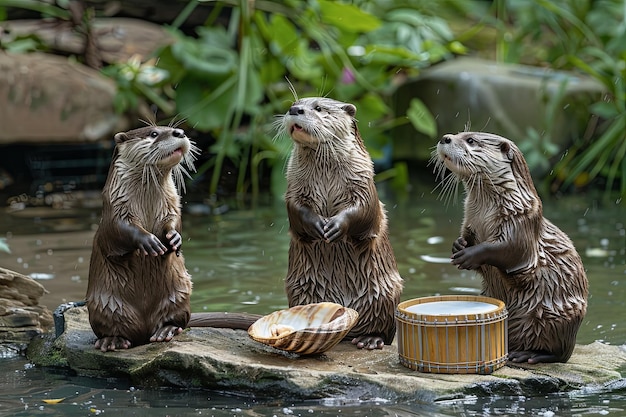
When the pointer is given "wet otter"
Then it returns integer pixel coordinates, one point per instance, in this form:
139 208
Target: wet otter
138 288
339 249
523 258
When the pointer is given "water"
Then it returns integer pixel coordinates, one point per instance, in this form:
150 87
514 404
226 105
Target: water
238 261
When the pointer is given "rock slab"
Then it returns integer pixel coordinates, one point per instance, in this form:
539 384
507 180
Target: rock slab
225 359
21 316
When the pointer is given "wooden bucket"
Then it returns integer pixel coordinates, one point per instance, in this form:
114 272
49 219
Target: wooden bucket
453 334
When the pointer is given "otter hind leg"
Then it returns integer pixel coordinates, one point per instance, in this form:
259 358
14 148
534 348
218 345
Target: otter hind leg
532 356
369 342
166 333
111 343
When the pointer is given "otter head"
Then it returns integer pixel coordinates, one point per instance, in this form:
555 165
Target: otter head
468 154
482 161
317 120
155 151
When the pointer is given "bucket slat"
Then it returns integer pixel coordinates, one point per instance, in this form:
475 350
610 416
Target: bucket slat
453 343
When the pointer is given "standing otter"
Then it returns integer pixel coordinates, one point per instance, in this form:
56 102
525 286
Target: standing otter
524 259
138 288
339 250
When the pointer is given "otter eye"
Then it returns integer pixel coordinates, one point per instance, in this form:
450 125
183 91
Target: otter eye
154 134
317 108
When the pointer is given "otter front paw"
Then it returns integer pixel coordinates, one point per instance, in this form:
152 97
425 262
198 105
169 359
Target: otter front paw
175 241
459 244
309 224
150 245
336 227
470 257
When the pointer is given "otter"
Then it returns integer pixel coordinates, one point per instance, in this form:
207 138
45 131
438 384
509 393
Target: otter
339 246
139 288
524 259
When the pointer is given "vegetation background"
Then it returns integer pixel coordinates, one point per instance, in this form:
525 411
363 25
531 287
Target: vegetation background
229 76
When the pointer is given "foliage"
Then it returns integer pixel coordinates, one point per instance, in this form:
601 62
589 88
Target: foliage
238 73
587 36
233 74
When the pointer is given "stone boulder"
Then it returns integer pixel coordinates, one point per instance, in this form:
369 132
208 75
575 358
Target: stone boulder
21 316
230 360
48 98
118 39
510 100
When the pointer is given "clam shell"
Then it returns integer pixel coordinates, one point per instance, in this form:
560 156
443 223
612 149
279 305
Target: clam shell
305 329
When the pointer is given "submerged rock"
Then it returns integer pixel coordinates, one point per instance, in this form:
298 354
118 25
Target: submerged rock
225 359
21 316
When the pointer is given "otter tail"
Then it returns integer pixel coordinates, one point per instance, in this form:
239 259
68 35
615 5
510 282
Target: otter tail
223 320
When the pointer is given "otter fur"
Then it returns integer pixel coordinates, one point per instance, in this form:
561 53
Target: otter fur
524 259
339 249
139 288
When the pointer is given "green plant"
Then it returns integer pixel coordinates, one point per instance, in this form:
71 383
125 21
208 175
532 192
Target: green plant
230 77
238 74
586 36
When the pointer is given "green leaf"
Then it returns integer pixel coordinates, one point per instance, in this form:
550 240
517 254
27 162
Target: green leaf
284 35
203 58
305 66
421 118
347 17
391 55
205 107
604 109
21 46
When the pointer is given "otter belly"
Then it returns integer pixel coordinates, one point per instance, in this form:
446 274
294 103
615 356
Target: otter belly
133 296
360 275
546 305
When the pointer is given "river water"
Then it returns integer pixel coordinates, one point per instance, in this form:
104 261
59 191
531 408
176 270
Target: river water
238 260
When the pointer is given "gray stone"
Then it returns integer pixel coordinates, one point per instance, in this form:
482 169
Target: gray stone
118 39
47 98
227 359
505 99
21 316
19 288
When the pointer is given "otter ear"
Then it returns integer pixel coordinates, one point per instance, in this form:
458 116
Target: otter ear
121 137
350 109
506 149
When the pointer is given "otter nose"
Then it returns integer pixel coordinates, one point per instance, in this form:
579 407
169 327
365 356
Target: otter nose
178 133
445 139
295 110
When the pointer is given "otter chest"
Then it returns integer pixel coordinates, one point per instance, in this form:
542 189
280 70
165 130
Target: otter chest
328 188
152 209
483 220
